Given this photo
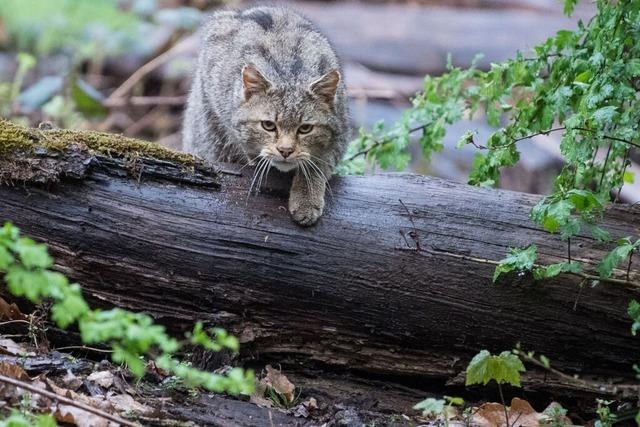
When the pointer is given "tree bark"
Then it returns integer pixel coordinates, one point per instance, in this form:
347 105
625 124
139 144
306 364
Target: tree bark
395 279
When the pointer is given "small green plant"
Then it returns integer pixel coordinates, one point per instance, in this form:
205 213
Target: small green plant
433 408
19 419
523 260
132 336
605 417
504 368
280 400
556 417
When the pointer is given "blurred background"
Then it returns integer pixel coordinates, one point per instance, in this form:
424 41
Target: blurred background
124 65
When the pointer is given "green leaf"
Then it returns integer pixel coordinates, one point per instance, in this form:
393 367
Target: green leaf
569 6
456 401
613 258
604 115
545 361
549 271
628 177
503 369
518 259
45 421
431 407
70 308
466 138
6 259
600 234
222 339
87 99
32 255
583 77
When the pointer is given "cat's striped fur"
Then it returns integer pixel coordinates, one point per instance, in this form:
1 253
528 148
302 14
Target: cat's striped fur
268 89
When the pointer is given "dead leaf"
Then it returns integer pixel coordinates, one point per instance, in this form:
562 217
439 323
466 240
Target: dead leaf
126 403
257 398
521 414
489 415
81 418
280 383
13 371
72 415
103 378
12 348
10 311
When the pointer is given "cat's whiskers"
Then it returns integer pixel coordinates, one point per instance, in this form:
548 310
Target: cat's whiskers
263 161
320 175
305 174
265 174
321 160
250 162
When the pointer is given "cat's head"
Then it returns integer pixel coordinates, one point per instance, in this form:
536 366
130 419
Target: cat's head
288 125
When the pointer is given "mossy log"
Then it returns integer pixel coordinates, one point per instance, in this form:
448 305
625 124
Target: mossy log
395 279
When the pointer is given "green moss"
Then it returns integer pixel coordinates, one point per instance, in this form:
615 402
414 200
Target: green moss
14 137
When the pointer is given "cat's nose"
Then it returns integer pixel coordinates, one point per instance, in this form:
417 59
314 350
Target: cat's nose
285 151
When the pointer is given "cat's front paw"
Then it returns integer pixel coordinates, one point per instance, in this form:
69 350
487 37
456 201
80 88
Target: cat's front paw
304 211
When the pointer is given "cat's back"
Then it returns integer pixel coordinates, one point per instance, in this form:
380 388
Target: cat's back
283 44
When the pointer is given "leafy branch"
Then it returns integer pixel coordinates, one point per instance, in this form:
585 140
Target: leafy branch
132 336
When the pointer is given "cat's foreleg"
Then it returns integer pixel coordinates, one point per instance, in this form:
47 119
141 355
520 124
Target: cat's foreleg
306 198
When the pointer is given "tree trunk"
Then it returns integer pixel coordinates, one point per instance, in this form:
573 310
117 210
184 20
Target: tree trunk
395 279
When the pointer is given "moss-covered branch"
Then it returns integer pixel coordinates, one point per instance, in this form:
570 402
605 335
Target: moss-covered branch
46 155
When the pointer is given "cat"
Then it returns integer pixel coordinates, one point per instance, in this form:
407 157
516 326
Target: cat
268 89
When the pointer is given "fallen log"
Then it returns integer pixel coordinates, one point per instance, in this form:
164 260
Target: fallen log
395 279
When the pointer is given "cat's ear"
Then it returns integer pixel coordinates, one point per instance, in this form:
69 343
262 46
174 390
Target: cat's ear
253 82
326 86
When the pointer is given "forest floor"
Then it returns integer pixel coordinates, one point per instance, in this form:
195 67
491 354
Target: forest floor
80 390
46 370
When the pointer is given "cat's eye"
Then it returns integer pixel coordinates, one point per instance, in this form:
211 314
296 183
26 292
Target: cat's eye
268 125
305 128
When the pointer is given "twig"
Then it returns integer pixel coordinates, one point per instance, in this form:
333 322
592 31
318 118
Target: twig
147 68
585 383
66 401
83 347
629 265
143 101
538 58
513 141
583 275
604 167
379 143
14 321
504 405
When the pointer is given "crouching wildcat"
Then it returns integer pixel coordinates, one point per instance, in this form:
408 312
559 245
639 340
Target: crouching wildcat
268 90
